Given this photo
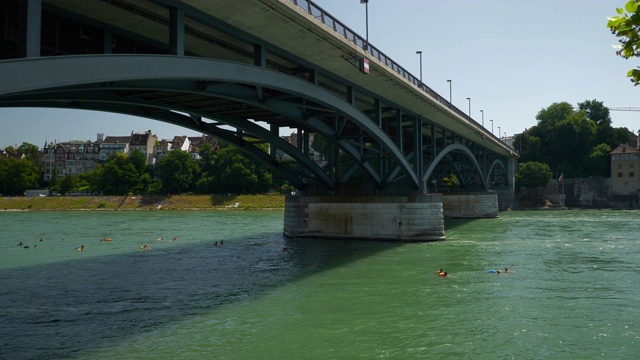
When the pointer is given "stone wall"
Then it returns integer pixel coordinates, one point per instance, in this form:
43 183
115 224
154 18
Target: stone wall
592 192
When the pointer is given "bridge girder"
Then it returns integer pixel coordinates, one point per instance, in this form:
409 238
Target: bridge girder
94 82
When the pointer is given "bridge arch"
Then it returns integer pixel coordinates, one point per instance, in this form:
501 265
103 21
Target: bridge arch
120 83
460 149
497 164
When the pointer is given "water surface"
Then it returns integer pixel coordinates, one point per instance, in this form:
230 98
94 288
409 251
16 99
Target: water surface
571 291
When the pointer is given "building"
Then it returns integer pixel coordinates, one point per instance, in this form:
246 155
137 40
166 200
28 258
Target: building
69 158
114 144
625 162
144 143
196 143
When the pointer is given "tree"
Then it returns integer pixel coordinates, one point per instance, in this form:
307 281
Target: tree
531 175
119 176
235 173
68 184
207 156
598 161
568 139
29 150
139 160
177 171
626 26
18 175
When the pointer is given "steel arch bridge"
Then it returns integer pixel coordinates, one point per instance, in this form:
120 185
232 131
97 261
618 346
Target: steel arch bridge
140 85
243 89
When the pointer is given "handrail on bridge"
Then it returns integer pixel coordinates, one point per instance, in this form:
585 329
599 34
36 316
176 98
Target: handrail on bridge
327 19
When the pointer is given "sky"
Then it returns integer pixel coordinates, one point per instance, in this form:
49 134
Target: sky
512 58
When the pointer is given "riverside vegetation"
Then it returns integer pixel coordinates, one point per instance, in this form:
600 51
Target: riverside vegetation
147 202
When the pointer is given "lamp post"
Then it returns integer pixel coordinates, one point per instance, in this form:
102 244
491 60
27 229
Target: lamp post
482 111
419 52
499 131
491 126
469 106
450 82
366 10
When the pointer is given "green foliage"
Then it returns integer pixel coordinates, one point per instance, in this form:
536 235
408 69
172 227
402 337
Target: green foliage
569 139
18 175
531 175
177 171
207 156
232 172
450 180
139 160
29 150
598 161
122 174
626 26
68 184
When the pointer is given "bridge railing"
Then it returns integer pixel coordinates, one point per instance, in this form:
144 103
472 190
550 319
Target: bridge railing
327 19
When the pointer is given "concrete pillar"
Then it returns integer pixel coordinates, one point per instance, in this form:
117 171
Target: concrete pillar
398 218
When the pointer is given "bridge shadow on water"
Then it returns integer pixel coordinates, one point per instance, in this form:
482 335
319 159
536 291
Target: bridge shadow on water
452 223
53 311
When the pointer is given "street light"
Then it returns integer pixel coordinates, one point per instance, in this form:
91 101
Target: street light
366 9
491 126
482 111
499 131
449 81
469 106
419 52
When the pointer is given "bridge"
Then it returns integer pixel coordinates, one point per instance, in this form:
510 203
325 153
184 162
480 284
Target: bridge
243 71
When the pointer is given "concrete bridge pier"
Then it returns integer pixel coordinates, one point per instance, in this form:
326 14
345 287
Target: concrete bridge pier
413 218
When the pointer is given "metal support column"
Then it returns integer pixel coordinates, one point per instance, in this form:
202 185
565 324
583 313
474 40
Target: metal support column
30 12
176 31
417 131
108 42
399 131
259 56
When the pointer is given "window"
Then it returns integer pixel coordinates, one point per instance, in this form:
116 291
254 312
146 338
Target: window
631 166
631 174
619 174
619 166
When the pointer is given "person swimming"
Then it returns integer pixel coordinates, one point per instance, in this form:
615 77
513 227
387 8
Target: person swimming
441 273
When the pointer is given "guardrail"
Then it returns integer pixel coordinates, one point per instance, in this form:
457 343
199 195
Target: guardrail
327 19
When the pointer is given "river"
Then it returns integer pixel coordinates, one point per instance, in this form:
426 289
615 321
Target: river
571 292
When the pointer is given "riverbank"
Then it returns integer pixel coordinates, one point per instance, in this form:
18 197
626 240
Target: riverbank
154 202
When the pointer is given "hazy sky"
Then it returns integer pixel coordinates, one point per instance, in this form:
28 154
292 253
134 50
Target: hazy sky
511 57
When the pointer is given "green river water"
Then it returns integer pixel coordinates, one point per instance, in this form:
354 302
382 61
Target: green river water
571 292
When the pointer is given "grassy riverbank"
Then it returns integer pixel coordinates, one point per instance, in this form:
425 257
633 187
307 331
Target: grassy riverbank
171 202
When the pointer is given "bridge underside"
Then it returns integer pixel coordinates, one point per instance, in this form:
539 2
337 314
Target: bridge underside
353 136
